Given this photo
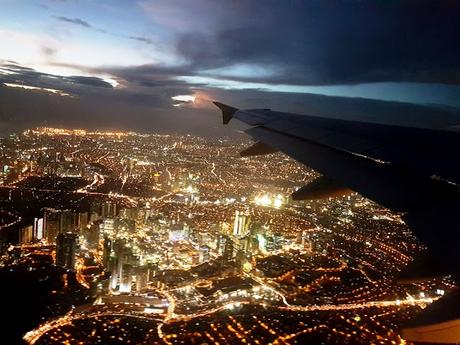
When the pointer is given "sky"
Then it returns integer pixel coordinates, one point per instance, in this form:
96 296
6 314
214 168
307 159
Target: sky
156 65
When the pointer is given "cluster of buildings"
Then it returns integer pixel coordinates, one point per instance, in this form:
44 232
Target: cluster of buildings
182 217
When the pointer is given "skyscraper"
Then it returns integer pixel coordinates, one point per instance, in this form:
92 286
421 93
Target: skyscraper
241 224
52 224
38 228
109 210
26 234
126 276
57 222
228 250
107 249
220 244
66 247
204 254
68 221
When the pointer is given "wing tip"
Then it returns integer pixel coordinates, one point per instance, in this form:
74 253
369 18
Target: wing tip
227 111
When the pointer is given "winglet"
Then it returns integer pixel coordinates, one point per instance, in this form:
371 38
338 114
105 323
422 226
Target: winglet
227 111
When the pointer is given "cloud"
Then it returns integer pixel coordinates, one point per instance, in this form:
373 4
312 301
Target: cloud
83 23
40 89
90 81
255 47
319 42
147 86
184 16
11 72
48 51
141 39
75 21
148 113
151 110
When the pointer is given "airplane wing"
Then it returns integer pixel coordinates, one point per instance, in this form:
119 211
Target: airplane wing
414 171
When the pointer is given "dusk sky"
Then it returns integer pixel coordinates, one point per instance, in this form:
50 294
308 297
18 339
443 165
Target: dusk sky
156 65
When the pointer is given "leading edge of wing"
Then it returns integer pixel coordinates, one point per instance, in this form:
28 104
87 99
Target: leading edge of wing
425 151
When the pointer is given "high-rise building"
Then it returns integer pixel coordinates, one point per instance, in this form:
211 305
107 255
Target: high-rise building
124 266
126 277
57 222
152 270
68 221
244 243
228 250
112 265
91 235
38 228
52 224
66 247
220 244
26 234
109 210
107 250
82 220
241 224
204 254
239 258
141 278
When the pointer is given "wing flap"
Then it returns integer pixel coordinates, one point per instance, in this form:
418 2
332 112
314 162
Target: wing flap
392 187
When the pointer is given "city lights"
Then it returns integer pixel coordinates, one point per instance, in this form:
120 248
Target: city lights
268 200
162 232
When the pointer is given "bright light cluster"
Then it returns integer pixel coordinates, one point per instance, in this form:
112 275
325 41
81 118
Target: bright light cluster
269 201
78 132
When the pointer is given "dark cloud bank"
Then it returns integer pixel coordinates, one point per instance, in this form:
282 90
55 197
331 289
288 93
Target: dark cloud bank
302 43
